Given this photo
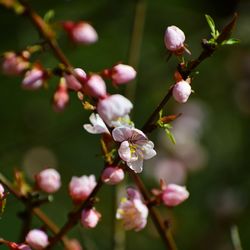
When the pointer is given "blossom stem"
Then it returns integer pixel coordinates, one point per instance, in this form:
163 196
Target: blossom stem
208 50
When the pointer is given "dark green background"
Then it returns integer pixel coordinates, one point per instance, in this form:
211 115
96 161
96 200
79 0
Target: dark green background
28 121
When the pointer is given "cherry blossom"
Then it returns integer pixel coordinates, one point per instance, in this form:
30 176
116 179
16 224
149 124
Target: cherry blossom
134 148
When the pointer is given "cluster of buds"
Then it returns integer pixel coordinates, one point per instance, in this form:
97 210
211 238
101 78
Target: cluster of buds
15 64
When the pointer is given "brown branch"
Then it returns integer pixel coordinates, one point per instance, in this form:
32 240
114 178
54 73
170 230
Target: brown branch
36 211
48 35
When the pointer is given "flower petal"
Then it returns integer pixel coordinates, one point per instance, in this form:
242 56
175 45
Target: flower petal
121 134
136 165
148 150
124 151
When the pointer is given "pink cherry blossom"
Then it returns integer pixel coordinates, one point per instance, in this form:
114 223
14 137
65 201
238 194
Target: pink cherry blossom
14 64
112 175
34 78
182 91
48 180
97 125
134 148
133 212
72 82
81 32
95 86
113 108
174 38
37 239
81 187
90 218
122 73
173 195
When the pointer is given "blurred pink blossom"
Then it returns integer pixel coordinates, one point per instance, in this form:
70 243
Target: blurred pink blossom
37 239
72 82
133 212
90 218
81 187
113 108
48 180
112 175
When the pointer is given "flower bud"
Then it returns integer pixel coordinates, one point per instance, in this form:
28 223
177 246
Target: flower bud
15 246
174 39
181 91
113 107
37 239
34 78
122 73
14 64
61 96
81 187
1 191
90 218
173 195
81 32
73 244
112 175
95 86
72 82
48 180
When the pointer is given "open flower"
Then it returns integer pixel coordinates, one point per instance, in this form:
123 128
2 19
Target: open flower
113 108
90 217
133 212
98 126
134 148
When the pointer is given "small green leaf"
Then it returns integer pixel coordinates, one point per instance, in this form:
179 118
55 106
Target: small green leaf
170 136
211 24
2 206
230 41
49 15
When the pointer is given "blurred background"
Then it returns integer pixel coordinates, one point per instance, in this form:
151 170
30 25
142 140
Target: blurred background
211 156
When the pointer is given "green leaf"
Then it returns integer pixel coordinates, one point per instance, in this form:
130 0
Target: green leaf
170 135
2 205
211 24
49 15
230 41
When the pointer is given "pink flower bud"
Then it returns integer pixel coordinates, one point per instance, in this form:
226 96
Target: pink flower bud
122 73
81 187
14 64
61 96
90 218
37 239
181 91
81 32
73 244
173 195
48 180
1 191
113 107
174 38
95 86
15 246
112 175
72 82
34 78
